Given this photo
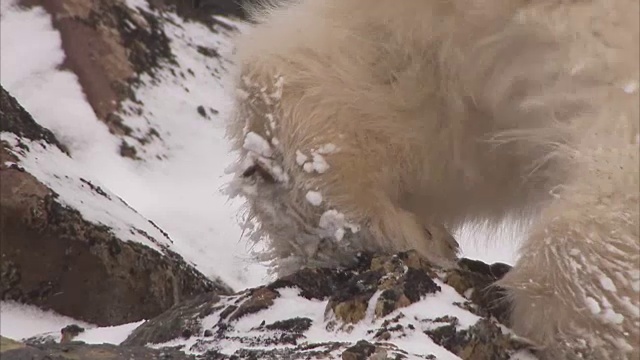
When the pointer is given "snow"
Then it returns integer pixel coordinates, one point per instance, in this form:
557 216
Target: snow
314 198
334 221
257 144
23 321
327 149
301 158
593 305
108 334
142 4
317 163
523 355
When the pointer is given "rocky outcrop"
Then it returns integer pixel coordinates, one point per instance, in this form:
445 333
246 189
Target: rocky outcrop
113 46
56 259
367 312
13 350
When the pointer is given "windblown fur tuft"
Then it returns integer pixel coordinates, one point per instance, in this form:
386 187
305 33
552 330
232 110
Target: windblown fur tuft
380 125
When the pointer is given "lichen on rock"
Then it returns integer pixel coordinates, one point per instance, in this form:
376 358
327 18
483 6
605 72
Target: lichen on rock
363 309
54 258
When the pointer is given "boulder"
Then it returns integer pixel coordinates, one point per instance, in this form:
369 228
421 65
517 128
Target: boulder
371 311
55 258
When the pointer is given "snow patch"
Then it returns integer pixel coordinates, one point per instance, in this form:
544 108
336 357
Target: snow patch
20 321
335 222
327 149
301 158
90 197
108 334
257 144
319 164
593 305
314 198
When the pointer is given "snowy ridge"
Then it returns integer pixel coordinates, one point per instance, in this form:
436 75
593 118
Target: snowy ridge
176 181
412 343
393 306
78 191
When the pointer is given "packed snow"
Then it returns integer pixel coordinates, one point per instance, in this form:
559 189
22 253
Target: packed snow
19 321
314 197
336 223
257 144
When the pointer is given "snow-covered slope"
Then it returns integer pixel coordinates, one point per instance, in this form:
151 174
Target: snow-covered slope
176 185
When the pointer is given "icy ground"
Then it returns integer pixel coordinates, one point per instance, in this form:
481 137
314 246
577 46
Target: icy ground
177 185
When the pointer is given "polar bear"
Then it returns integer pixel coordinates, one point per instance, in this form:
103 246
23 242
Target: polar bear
383 125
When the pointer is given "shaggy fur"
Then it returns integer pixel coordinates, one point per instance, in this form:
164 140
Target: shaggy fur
380 125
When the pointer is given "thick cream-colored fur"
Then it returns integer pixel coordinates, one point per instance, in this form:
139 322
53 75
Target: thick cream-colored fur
423 114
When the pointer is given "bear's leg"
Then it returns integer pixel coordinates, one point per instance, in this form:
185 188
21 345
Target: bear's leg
576 284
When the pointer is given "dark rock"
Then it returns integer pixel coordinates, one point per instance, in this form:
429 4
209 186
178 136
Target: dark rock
301 352
202 112
174 322
203 10
116 125
318 283
12 350
19 122
259 299
482 341
207 51
418 284
350 302
475 279
295 325
400 280
55 259
69 332
128 151
360 351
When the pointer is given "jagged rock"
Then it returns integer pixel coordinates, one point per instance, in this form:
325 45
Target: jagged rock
54 258
363 310
12 350
474 279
